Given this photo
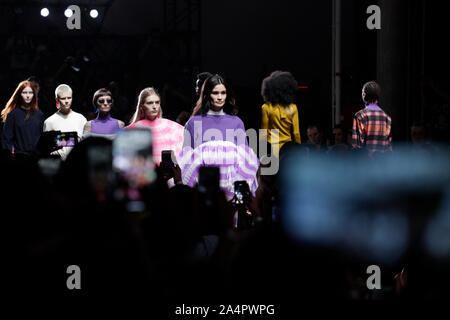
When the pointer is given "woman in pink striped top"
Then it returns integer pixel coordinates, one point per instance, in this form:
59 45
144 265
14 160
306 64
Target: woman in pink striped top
166 134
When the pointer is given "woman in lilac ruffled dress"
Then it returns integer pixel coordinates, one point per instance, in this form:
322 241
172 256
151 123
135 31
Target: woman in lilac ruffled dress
216 137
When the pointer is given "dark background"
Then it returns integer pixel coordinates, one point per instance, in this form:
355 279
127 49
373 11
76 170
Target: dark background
165 43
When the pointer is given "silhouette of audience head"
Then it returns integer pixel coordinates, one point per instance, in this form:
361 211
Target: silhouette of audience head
418 133
339 134
315 135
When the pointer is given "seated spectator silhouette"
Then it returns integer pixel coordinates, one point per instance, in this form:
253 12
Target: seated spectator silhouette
418 133
315 138
339 141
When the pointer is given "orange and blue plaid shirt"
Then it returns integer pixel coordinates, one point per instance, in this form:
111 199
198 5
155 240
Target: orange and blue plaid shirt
372 129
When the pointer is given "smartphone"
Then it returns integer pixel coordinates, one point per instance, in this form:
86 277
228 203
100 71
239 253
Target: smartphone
241 191
208 180
101 178
167 163
134 167
66 139
243 218
167 157
132 157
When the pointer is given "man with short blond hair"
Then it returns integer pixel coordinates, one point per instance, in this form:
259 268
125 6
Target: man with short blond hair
65 119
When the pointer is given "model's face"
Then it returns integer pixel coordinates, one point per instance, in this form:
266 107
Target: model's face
104 104
27 95
65 101
218 97
152 106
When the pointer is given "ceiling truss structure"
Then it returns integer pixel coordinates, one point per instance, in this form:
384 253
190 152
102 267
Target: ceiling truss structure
182 29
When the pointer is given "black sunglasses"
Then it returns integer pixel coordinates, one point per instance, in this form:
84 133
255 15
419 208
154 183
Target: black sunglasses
102 101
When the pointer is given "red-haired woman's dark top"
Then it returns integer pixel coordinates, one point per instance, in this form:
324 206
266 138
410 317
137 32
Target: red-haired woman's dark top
21 133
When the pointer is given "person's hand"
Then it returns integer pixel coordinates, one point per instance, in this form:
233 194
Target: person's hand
46 144
401 280
176 173
166 171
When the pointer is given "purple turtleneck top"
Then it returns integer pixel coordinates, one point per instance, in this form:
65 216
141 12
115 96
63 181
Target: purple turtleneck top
104 125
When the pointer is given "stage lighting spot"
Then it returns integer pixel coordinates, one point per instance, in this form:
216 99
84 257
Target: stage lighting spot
94 13
68 13
45 12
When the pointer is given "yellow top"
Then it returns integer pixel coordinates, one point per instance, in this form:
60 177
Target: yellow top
283 119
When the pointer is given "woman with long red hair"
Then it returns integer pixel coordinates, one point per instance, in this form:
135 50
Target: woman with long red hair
23 121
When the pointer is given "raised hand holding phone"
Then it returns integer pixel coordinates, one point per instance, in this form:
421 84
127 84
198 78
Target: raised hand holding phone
167 165
133 162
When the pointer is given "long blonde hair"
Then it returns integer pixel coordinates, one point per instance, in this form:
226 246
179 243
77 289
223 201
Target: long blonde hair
139 114
16 100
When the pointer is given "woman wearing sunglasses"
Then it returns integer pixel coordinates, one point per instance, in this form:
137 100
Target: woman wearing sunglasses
104 124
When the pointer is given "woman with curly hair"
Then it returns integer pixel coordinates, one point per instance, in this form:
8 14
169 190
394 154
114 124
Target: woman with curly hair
23 121
279 111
